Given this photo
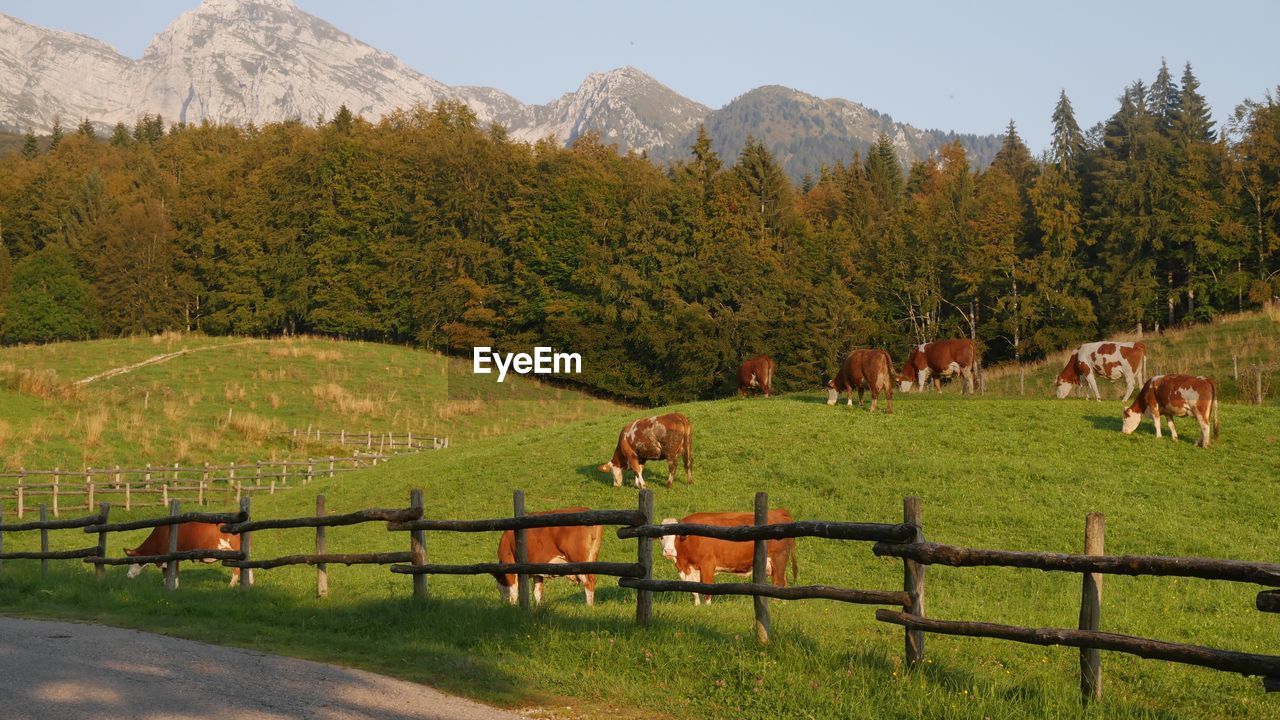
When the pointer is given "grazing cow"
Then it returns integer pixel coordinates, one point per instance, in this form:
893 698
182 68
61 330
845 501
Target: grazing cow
1176 396
660 437
551 545
698 559
943 358
1111 360
757 374
863 370
191 536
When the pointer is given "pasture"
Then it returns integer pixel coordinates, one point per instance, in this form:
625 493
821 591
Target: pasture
1227 350
234 398
992 473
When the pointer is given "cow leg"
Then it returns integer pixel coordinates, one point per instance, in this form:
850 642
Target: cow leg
1092 379
537 591
1129 385
671 467
1155 415
589 585
967 373
1173 431
637 467
1205 428
235 577
875 398
707 572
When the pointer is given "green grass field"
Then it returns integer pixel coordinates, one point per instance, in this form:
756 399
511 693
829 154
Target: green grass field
233 398
994 473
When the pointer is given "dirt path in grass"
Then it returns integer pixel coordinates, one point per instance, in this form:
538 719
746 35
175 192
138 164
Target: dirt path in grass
57 670
153 360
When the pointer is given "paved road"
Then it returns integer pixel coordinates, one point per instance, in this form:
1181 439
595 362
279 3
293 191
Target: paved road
69 671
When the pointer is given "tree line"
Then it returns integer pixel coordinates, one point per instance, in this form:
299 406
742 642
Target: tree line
429 228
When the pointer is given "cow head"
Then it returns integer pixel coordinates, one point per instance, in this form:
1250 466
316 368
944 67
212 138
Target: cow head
615 470
135 569
1131 419
1068 378
910 372
669 542
833 395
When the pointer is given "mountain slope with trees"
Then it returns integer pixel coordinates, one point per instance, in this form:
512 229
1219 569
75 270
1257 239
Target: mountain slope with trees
432 228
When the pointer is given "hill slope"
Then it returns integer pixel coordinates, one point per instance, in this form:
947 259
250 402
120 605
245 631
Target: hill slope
232 398
992 473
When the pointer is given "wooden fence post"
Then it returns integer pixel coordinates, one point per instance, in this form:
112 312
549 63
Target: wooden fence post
644 556
330 467
1091 611
522 554
246 574
44 541
311 466
418 549
22 507
57 476
100 570
322 569
171 567
1 536
88 492
759 567
913 582
127 500
147 478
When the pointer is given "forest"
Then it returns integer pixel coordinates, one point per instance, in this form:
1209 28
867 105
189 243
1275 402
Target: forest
430 229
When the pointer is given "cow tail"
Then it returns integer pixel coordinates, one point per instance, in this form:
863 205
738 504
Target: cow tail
688 454
1214 411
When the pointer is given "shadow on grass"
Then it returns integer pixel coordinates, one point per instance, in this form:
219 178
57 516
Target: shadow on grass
1110 423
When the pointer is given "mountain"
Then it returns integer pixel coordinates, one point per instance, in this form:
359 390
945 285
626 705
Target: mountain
262 61
805 132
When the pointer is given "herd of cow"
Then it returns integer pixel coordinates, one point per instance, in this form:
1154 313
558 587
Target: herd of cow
670 437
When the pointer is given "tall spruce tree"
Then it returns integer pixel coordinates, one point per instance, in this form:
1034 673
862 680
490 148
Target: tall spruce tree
55 134
30 147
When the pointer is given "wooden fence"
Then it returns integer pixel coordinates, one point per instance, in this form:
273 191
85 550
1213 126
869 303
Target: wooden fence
156 485
382 442
903 540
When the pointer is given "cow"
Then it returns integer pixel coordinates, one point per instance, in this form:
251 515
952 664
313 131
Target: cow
698 559
659 437
191 536
1111 360
942 358
551 545
1175 396
863 370
757 374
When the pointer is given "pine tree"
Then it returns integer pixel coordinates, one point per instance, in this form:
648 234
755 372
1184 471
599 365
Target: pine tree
343 119
55 134
1165 99
30 148
706 163
86 129
1194 122
120 136
1068 146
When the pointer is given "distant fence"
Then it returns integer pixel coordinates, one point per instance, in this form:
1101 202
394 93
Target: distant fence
382 442
903 540
156 485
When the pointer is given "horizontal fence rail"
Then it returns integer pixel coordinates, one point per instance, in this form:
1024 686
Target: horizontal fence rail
798 592
617 569
1187 567
526 522
1225 660
870 532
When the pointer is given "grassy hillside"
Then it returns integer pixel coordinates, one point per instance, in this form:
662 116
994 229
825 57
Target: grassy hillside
1252 339
992 473
232 398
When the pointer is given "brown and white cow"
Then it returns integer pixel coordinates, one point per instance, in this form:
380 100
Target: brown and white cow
863 370
757 374
551 545
1111 360
942 358
191 536
660 437
1175 396
698 559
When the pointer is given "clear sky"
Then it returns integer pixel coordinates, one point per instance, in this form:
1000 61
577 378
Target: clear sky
969 67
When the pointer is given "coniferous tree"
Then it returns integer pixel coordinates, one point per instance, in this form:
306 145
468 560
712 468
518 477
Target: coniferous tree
30 148
55 134
1067 146
86 129
120 136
